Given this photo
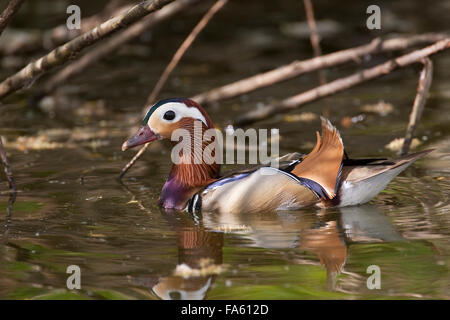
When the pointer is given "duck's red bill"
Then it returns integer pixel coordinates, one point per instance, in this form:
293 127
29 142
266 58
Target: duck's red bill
144 135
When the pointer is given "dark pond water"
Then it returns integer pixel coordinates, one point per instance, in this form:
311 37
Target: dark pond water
71 210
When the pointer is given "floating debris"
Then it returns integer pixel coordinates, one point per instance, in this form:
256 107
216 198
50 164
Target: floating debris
325 28
397 144
91 137
227 228
42 142
96 235
94 198
347 122
301 117
381 108
207 268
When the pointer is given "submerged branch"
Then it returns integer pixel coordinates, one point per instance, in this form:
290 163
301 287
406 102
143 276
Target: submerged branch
7 168
67 51
8 218
298 68
423 88
341 84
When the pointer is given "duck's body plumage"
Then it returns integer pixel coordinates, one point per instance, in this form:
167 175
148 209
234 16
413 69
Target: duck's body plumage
324 177
360 181
266 189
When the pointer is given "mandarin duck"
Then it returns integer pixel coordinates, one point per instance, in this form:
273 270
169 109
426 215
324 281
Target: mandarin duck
325 177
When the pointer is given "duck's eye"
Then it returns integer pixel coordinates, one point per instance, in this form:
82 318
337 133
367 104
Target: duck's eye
169 115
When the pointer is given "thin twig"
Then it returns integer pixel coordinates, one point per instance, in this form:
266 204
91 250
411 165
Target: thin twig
298 68
9 12
426 76
8 172
171 66
132 161
341 84
314 36
183 48
67 51
112 45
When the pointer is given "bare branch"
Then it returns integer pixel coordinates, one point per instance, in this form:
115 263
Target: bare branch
314 36
9 12
341 84
113 44
133 161
183 48
49 39
298 68
423 88
67 51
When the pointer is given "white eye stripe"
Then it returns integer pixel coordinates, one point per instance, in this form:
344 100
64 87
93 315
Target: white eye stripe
181 111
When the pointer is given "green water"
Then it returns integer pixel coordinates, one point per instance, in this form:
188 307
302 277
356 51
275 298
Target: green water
71 210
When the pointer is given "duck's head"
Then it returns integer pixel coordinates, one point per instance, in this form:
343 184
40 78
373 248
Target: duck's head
166 116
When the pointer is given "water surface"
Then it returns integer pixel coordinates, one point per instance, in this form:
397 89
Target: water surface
71 210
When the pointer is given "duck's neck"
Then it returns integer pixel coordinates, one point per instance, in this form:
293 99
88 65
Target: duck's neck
188 176
193 175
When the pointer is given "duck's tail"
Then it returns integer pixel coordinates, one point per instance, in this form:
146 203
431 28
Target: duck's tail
324 163
362 182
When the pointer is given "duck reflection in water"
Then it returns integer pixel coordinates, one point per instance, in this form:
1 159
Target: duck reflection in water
327 235
199 261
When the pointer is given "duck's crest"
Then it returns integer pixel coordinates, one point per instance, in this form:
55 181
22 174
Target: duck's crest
324 163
